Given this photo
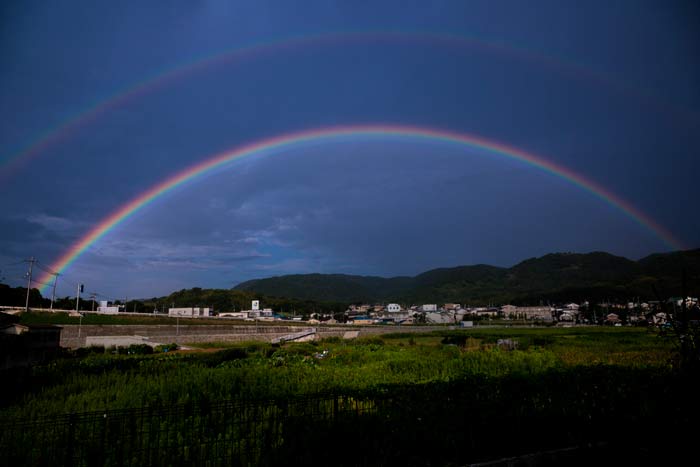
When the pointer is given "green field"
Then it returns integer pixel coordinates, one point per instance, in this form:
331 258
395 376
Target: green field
101 381
446 397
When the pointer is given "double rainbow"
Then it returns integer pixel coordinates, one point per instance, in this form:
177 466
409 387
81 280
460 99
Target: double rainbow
290 140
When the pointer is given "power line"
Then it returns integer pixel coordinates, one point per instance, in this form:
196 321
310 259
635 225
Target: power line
55 282
38 264
33 281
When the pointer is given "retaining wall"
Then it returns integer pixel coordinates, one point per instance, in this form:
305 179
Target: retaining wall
184 334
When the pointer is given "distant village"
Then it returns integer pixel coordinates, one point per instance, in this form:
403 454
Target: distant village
616 314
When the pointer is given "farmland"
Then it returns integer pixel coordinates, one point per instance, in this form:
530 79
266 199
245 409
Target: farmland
564 375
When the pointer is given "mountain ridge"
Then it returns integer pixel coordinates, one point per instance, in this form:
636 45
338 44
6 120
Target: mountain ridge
554 276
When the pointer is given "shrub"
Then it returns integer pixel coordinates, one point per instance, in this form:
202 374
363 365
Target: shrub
166 347
139 349
93 349
459 340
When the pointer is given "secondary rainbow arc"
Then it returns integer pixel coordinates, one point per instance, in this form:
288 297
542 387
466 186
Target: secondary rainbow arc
289 140
57 133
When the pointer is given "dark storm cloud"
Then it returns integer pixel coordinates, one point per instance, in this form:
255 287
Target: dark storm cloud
626 116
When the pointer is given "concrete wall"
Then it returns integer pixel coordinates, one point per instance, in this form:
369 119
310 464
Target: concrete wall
166 334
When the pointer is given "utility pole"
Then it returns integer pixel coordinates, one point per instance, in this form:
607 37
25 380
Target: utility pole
77 298
93 300
31 262
53 293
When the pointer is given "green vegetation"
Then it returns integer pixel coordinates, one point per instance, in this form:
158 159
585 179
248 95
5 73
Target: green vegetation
38 317
102 380
463 394
559 277
219 300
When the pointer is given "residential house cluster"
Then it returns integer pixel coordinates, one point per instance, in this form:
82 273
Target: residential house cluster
255 313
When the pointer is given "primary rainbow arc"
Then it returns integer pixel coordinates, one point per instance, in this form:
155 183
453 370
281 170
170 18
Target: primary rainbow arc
289 140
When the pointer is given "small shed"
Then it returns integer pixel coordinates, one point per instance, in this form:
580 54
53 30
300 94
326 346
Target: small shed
26 344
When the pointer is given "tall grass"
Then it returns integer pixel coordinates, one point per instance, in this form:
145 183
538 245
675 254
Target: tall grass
252 371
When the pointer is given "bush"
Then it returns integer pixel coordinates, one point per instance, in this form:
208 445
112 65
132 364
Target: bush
140 349
93 349
166 347
459 340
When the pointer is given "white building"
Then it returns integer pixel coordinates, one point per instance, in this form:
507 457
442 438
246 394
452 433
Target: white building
256 312
264 313
536 312
438 318
393 308
191 312
106 309
428 307
234 314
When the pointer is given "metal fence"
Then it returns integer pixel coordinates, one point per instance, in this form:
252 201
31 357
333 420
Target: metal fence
221 433
437 424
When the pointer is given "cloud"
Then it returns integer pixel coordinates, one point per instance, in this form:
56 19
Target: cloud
151 254
55 223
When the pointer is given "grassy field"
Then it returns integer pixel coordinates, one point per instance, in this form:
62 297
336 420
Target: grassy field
101 381
448 397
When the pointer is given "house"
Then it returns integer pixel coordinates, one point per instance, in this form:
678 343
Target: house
660 318
612 318
264 313
26 344
439 318
362 320
567 316
483 311
358 309
234 314
428 307
190 312
543 313
107 309
393 308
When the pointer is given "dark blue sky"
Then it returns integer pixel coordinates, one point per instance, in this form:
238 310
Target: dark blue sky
607 89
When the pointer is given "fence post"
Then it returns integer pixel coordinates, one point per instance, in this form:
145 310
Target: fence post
68 462
335 407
